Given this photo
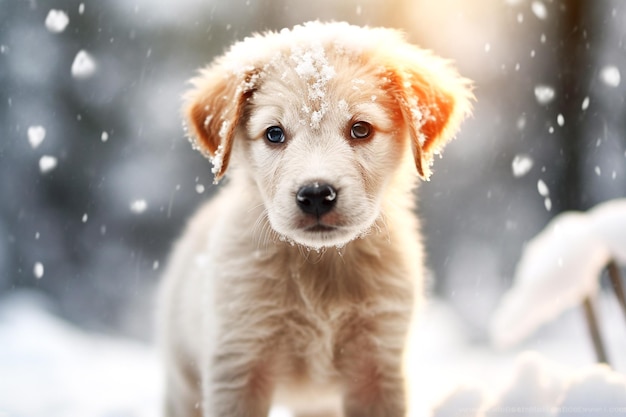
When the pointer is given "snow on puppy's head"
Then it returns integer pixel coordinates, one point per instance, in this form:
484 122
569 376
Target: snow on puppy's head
428 96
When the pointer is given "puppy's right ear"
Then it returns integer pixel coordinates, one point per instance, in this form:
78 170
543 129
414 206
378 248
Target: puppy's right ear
213 108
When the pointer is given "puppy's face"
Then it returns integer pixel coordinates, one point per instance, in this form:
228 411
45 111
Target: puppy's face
320 118
322 143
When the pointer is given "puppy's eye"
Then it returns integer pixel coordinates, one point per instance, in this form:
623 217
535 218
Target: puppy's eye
361 130
275 134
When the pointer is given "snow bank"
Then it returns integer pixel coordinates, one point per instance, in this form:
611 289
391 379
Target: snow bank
49 368
542 388
559 268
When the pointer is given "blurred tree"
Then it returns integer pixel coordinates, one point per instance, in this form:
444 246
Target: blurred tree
580 30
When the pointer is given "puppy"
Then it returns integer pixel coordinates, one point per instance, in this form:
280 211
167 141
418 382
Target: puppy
298 283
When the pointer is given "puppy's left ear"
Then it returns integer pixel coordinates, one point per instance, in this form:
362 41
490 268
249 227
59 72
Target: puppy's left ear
213 109
434 99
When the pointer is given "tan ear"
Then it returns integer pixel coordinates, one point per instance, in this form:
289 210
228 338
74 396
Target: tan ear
434 99
213 108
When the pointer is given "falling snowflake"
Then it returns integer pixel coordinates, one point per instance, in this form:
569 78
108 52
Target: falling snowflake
542 188
138 206
547 203
539 9
585 105
83 66
38 270
521 165
610 76
47 163
36 135
56 21
544 94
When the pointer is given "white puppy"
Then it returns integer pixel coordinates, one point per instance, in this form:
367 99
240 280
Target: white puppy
299 282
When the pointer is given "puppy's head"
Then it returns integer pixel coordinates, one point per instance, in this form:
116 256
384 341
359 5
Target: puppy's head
321 117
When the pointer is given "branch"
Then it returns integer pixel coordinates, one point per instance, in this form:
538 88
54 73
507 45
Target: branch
594 331
618 287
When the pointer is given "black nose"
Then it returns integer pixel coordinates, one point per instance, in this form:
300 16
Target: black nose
316 198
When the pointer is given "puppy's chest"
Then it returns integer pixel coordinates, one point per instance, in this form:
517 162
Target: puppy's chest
314 322
309 343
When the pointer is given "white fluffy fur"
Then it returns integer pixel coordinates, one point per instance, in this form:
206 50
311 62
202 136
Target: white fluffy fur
256 308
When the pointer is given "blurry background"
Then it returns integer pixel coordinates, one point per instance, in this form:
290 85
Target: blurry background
88 214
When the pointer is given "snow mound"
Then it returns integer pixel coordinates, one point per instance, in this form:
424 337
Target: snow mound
559 268
51 369
539 387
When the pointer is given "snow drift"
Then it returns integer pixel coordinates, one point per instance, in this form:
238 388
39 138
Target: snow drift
559 268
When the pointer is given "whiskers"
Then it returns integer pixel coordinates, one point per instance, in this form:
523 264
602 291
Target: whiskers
262 230
381 227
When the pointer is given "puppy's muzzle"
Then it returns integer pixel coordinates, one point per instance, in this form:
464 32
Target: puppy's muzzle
316 199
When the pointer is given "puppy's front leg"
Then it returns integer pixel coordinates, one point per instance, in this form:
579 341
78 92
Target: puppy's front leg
237 383
372 377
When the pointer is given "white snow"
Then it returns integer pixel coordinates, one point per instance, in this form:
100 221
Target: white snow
544 94
75 373
608 222
47 163
521 165
138 206
542 388
547 203
84 218
104 136
539 9
585 104
217 160
199 188
312 66
52 369
559 268
610 75
36 135
542 188
81 8
560 119
599 390
38 270
56 21
83 66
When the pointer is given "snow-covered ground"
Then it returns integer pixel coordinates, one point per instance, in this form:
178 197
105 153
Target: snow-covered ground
50 368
